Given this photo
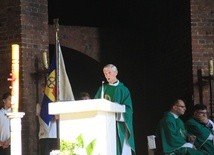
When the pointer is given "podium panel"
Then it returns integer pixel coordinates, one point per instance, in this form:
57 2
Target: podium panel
93 119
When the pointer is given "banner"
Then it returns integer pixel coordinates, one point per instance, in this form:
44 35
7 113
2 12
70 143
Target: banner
65 90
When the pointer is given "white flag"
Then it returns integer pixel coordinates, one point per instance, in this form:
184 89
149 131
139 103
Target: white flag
65 90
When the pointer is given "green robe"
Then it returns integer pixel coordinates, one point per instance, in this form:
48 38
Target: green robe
202 133
174 135
120 94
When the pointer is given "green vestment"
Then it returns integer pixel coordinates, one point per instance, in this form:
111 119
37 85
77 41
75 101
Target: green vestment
121 95
174 135
202 133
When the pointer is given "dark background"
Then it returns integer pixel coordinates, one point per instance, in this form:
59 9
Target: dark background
150 43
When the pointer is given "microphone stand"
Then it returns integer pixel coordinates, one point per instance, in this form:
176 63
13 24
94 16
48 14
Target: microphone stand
102 90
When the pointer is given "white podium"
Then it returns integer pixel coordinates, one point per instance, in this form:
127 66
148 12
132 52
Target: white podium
93 119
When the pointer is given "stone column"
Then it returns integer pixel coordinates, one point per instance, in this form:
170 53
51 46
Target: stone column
15 132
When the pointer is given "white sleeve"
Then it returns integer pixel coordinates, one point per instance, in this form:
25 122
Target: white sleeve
211 122
187 145
119 117
210 137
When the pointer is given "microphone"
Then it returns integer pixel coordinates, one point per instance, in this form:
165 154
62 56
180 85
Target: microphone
102 90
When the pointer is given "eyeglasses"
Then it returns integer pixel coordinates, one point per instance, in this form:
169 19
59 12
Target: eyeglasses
201 112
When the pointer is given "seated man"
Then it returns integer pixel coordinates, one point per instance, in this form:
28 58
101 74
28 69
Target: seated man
202 128
174 137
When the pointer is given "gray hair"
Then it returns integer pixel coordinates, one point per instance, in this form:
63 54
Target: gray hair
113 67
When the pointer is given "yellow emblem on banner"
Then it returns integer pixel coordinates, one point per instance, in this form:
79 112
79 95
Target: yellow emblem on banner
50 90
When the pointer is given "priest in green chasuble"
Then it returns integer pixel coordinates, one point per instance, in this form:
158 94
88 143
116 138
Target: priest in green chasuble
116 91
202 128
174 137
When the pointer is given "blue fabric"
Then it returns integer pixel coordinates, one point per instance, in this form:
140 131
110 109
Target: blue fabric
50 93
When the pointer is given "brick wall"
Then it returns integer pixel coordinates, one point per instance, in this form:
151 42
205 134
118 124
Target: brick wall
34 40
9 34
25 23
79 38
202 25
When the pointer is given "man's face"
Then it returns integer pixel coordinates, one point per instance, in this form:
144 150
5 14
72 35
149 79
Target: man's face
110 75
7 102
179 108
200 114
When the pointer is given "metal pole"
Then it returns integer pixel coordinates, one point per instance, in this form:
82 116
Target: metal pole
56 22
211 82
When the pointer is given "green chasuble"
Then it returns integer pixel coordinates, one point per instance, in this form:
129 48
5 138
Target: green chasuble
174 135
202 133
121 95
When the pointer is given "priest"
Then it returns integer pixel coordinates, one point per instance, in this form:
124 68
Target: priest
174 137
116 91
202 128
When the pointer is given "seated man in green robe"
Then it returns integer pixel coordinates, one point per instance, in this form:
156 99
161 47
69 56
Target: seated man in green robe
202 128
116 91
172 133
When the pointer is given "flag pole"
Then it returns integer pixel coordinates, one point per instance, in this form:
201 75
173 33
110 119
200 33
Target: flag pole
56 22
